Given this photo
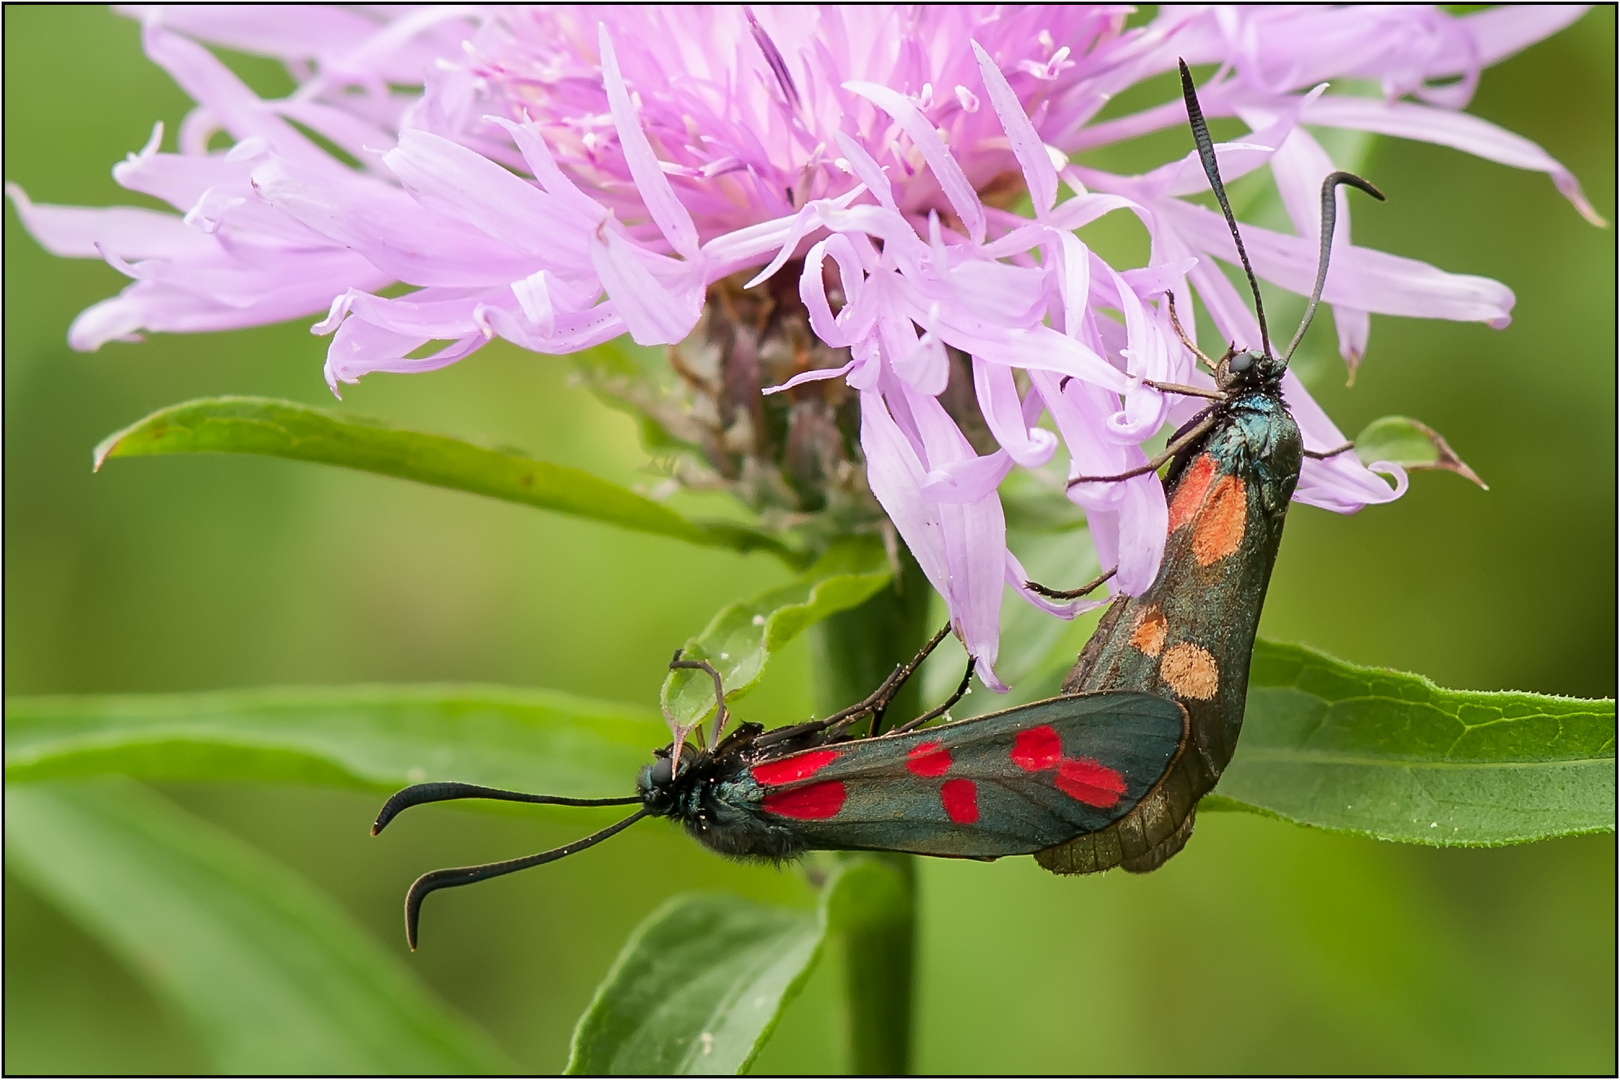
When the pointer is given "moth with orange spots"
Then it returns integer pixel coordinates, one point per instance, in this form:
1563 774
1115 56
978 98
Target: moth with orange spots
1107 774
1189 637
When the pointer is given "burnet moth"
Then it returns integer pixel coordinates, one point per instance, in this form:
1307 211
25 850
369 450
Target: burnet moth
1010 783
1107 774
1233 468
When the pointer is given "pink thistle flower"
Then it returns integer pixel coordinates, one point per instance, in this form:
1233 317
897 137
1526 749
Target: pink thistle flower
566 176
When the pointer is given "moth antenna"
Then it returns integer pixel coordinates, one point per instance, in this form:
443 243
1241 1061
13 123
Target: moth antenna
418 794
466 875
1206 154
1330 213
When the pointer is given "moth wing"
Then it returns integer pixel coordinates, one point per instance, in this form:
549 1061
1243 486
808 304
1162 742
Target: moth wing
1009 783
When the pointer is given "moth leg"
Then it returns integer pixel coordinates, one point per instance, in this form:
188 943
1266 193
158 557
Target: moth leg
934 714
721 715
1190 436
1183 388
1070 594
875 703
1322 454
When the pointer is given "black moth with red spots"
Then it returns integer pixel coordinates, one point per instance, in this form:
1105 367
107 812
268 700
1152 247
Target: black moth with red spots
1010 783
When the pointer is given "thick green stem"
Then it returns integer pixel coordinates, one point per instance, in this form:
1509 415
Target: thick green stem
854 651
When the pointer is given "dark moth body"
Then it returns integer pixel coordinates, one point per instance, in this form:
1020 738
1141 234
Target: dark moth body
1190 636
1010 783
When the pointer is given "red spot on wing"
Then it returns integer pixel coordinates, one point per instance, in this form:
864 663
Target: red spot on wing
1089 781
798 767
1037 748
1190 491
928 759
814 803
961 800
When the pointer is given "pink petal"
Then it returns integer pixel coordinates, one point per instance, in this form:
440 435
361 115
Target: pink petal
1026 143
407 240
867 171
82 232
1503 31
654 314
458 183
964 200
968 480
1444 127
1063 609
1004 413
673 219
1360 277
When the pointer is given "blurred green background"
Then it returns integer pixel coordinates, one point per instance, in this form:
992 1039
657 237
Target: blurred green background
1262 948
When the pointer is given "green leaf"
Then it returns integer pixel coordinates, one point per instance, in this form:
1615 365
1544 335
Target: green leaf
697 989
249 425
271 976
739 640
1390 755
369 737
1411 444
700 985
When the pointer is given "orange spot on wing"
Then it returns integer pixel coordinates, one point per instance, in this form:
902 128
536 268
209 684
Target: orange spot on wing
1190 490
1150 630
960 798
798 767
1190 671
1219 530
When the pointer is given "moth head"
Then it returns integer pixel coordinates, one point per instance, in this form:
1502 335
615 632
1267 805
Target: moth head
1249 370
656 783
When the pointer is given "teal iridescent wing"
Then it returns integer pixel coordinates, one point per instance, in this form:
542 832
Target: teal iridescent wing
1011 783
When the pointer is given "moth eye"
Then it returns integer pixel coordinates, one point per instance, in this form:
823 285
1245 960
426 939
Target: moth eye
662 773
1241 363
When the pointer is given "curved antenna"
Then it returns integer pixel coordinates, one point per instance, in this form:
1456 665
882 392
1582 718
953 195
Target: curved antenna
1206 154
466 875
1330 213
417 794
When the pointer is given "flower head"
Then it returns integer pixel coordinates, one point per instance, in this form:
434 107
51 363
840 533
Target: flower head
559 177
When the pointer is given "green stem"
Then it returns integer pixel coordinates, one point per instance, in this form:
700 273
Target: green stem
853 652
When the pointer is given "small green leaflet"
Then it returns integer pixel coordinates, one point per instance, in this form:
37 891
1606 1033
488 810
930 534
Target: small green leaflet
740 639
1411 444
